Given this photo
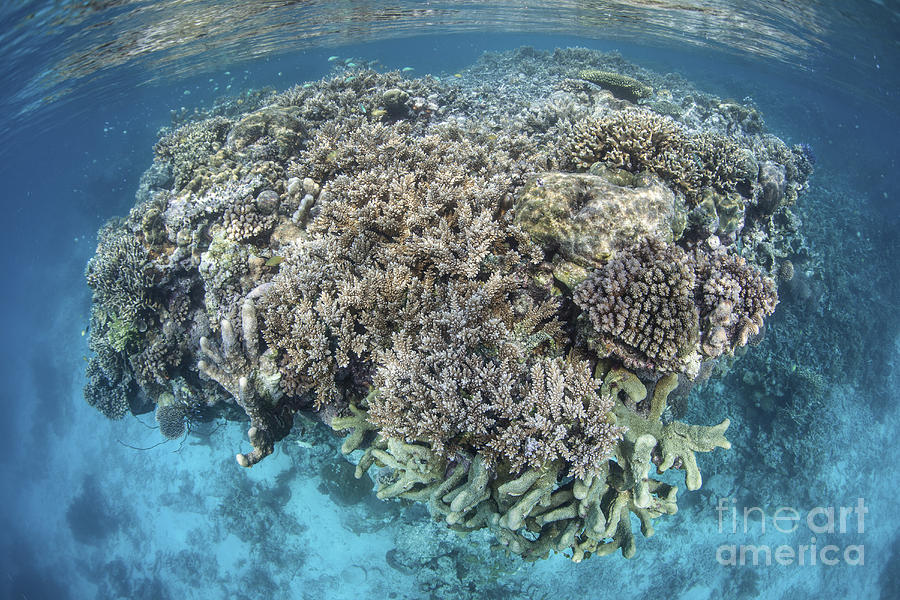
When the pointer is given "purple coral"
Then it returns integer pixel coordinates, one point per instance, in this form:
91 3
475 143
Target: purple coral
654 304
641 302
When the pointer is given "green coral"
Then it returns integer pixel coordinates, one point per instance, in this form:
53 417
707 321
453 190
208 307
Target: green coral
121 334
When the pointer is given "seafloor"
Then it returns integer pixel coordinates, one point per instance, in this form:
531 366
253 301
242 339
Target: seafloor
810 404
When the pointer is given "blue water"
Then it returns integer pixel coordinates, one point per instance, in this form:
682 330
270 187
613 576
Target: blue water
86 515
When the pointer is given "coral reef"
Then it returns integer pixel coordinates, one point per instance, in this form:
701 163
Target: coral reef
477 280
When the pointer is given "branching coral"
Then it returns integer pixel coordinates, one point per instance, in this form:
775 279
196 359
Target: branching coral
656 306
642 304
638 139
120 275
404 216
106 389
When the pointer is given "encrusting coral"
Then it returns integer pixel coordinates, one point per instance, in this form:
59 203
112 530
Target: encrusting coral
483 322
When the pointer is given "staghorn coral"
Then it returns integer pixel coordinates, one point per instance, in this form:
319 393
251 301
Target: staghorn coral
151 366
402 213
562 417
472 386
121 276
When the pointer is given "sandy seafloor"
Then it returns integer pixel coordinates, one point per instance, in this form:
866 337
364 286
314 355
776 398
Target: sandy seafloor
87 517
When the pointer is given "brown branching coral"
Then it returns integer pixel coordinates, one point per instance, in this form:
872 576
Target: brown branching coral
404 216
121 275
466 381
655 305
561 417
107 388
734 299
638 139
456 367
151 366
249 219
641 302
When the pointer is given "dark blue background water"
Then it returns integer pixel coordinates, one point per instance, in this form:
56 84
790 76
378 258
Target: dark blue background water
67 168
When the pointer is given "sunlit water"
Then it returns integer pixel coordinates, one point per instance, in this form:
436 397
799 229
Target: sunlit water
84 88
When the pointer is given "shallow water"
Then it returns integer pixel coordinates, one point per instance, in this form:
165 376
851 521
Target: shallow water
813 410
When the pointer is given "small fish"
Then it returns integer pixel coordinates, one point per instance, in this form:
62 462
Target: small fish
333 58
378 112
83 331
307 85
347 61
458 75
274 261
362 109
351 64
349 79
407 69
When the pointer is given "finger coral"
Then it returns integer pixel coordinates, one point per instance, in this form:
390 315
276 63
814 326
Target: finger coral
642 304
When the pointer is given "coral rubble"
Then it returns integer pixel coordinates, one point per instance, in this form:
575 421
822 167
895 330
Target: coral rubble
479 285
